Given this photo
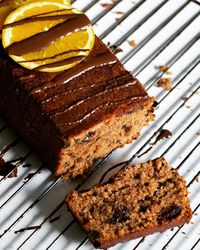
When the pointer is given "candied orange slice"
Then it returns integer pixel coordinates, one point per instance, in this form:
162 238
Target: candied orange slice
47 36
7 6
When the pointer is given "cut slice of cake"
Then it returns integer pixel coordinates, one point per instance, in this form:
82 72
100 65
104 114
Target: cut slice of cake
139 200
71 118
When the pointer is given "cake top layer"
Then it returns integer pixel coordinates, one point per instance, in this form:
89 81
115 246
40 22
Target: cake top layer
77 99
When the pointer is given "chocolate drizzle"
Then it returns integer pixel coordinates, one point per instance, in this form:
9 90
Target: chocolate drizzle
162 135
55 56
86 102
66 76
27 228
70 60
4 3
42 40
39 18
52 220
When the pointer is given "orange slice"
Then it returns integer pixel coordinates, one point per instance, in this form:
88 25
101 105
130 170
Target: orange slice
47 36
7 6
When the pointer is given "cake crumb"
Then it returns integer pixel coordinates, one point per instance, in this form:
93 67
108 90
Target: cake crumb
191 222
196 214
115 48
165 83
197 179
198 133
119 12
189 107
164 69
107 5
133 43
185 98
118 19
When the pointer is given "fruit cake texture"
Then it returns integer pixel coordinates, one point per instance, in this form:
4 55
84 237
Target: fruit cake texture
75 116
139 200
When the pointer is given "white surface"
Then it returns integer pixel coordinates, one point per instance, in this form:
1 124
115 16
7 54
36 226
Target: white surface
172 114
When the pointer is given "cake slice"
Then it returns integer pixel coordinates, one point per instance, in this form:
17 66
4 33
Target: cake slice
139 200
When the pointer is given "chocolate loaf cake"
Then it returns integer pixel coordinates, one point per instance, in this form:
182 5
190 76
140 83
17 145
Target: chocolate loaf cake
139 200
74 117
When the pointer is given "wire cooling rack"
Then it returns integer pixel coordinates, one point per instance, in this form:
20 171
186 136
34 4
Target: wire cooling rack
149 34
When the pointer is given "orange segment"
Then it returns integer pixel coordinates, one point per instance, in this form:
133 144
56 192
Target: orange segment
47 36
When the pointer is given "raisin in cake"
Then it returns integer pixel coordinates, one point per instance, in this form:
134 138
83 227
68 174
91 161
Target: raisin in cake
76 116
139 200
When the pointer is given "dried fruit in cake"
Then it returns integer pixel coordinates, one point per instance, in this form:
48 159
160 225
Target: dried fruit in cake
7 6
47 36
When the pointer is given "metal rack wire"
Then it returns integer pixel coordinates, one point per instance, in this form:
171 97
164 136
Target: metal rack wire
164 118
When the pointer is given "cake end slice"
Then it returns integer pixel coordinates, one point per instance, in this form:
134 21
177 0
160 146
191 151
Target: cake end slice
139 200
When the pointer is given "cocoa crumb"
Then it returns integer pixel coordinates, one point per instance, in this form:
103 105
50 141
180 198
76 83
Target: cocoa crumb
164 69
196 214
198 133
197 179
119 12
189 107
118 19
185 98
115 48
107 5
133 43
165 83
183 232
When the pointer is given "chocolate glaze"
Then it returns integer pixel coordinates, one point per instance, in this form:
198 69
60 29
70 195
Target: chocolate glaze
42 40
72 121
70 60
55 56
98 61
39 18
